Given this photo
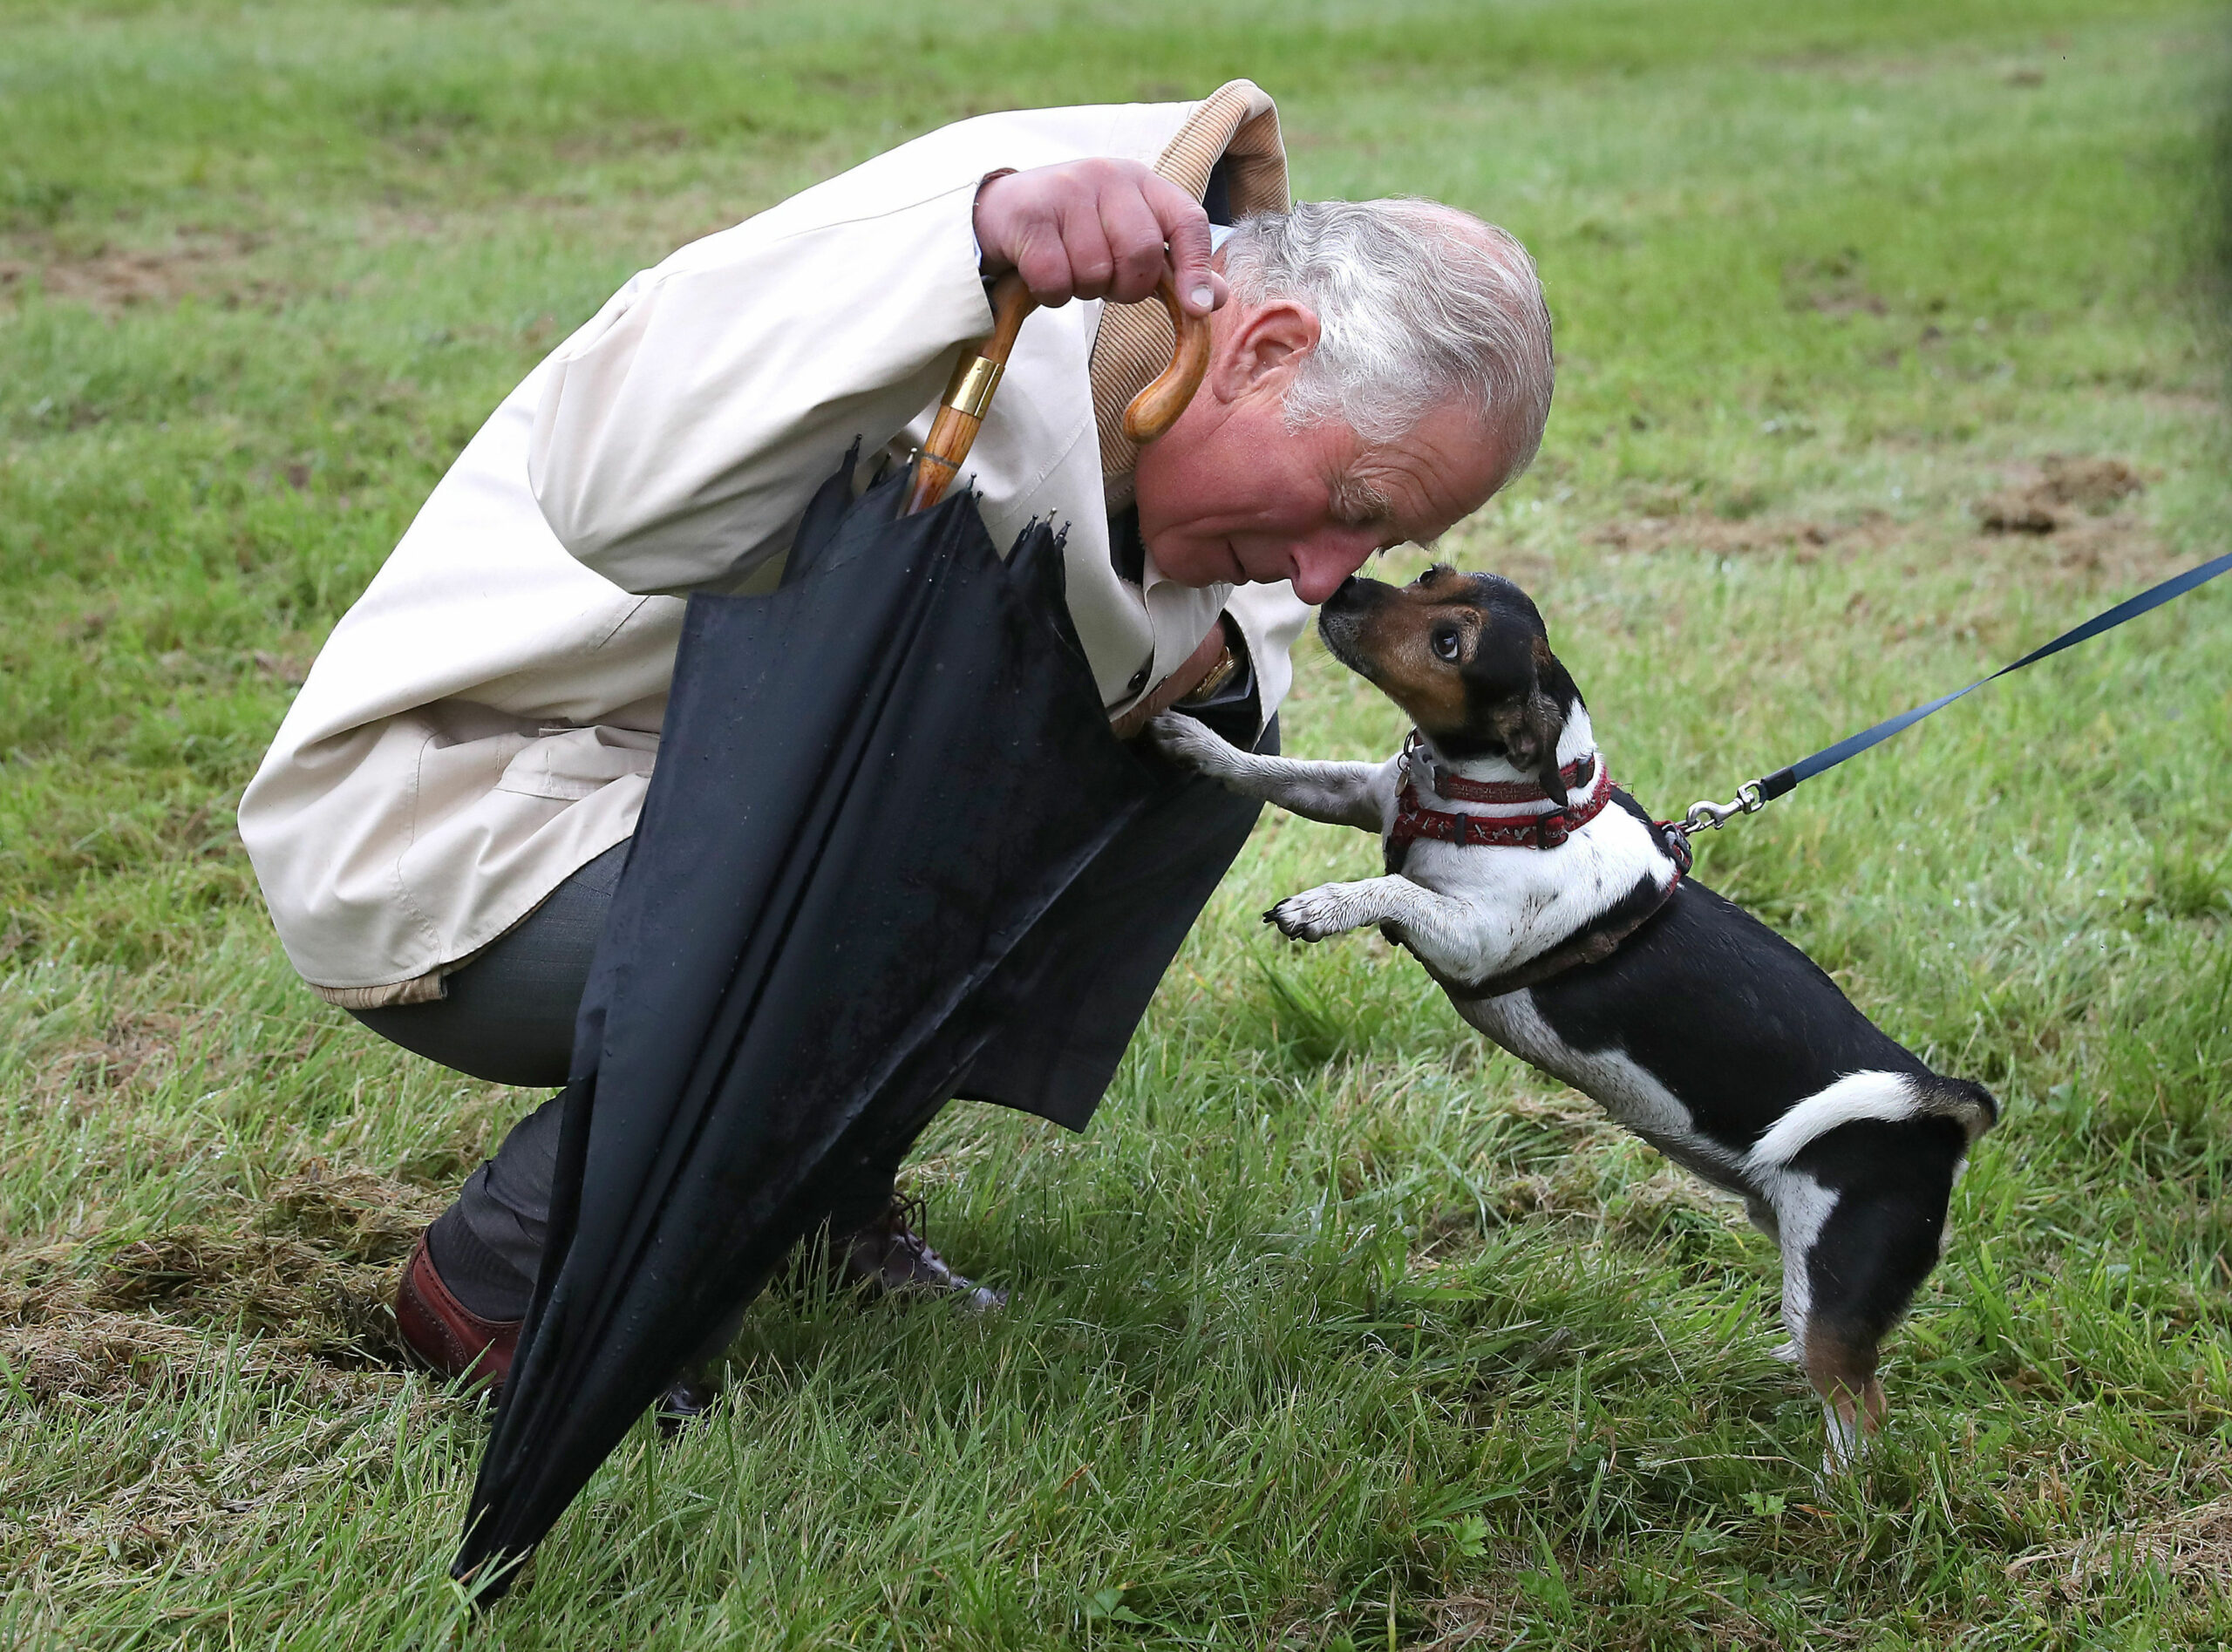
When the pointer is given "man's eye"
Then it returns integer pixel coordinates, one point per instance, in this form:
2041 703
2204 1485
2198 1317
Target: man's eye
1445 644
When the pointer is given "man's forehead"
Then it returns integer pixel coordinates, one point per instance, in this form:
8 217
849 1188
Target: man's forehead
1433 479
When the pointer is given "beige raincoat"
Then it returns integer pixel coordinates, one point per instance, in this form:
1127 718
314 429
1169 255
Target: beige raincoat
484 721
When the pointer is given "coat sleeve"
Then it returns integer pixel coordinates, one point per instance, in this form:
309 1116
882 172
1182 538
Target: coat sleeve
683 429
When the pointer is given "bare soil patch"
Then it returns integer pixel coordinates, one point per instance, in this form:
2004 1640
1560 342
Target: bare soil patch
2063 520
308 1273
1718 536
2061 493
112 278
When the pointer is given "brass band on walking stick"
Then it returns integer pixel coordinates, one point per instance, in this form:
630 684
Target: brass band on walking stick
969 396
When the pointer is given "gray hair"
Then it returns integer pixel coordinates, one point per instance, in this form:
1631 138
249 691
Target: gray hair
1421 306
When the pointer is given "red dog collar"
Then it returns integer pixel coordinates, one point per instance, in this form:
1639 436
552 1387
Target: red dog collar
1414 820
1459 790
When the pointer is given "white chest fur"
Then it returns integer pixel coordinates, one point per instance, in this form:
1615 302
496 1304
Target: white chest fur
1469 913
1519 903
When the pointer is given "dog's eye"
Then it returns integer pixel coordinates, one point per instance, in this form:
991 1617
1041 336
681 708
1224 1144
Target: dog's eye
1445 643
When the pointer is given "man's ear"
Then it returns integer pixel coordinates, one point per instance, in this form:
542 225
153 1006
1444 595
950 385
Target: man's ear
1264 349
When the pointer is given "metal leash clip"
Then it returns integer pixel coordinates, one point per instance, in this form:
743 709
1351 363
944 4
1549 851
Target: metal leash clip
1749 798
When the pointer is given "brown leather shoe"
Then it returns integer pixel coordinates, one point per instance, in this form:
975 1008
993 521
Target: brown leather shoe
445 1336
889 1258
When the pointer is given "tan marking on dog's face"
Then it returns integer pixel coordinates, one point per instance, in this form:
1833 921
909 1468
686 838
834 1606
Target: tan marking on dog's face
1413 646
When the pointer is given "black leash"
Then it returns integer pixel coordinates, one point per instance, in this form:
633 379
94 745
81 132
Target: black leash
1755 795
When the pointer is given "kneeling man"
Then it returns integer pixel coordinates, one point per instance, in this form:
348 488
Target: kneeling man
440 824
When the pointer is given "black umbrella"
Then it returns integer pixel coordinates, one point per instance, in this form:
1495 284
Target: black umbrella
871 784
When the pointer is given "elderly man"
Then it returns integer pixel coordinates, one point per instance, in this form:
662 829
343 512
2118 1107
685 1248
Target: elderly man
440 823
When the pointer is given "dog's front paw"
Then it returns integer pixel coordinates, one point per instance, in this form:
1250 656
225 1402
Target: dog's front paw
1189 743
1311 915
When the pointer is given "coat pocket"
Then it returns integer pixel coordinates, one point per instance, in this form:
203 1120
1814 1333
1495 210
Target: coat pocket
571 764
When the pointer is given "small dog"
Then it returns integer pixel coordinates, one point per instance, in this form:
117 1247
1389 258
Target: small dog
1561 921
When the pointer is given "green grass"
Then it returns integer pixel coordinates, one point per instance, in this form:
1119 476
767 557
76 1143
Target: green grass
1340 1329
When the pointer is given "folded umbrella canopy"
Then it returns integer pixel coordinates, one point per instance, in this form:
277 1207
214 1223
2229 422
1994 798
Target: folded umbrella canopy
871 783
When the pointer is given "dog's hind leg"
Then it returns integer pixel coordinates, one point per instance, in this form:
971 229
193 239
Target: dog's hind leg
1842 1370
1858 1241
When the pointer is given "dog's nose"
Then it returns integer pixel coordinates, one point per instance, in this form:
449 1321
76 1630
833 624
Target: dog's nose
1347 588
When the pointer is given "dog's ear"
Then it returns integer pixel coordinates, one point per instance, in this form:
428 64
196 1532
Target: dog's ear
1528 725
1532 742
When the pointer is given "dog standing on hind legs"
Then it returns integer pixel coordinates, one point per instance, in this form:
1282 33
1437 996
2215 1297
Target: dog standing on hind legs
1561 921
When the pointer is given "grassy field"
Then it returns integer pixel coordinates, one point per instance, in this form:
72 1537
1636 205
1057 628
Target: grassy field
1340 1329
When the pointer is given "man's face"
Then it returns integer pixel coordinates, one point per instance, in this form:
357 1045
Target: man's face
1231 495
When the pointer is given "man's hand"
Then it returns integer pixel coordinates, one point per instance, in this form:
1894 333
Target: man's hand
1097 229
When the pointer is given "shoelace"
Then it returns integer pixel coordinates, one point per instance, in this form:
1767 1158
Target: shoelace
904 1222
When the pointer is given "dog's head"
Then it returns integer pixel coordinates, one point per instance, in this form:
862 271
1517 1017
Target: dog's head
1466 655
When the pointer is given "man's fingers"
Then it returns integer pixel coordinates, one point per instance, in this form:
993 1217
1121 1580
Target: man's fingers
1093 260
1135 237
1097 229
1185 226
1044 262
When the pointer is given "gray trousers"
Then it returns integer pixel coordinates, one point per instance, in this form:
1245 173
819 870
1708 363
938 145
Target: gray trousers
509 1017
1067 1002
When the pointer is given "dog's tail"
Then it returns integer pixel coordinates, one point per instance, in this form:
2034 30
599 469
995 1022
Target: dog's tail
1890 1096
1965 1100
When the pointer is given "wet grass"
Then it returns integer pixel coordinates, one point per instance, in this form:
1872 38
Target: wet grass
1340 1329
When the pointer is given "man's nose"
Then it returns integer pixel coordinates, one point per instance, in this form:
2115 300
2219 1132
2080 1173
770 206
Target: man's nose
1322 561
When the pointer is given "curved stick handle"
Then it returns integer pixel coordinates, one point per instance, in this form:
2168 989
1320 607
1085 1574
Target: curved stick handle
1155 408
968 394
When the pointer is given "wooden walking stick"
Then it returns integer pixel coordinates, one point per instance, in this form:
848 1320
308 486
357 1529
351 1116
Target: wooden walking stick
969 396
